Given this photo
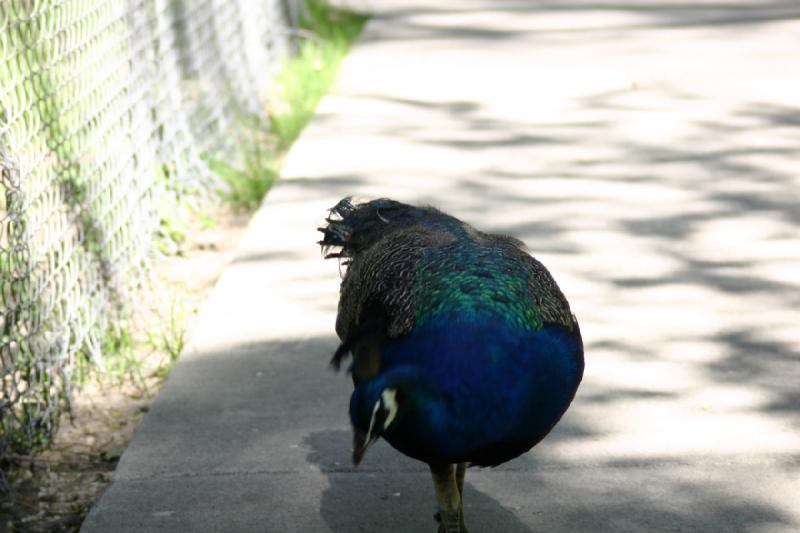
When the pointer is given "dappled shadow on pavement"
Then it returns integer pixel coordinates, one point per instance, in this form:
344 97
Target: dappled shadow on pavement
657 177
488 20
391 499
277 423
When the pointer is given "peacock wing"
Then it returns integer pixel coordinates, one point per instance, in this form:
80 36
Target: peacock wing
376 296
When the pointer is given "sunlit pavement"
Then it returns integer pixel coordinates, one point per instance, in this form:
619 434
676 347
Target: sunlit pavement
647 153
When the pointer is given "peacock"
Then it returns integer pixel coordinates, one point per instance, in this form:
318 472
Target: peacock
465 351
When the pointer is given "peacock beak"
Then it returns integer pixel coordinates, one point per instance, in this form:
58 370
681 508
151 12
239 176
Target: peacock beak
360 445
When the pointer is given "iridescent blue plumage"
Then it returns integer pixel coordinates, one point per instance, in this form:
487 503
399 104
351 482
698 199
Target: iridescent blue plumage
465 350
490 394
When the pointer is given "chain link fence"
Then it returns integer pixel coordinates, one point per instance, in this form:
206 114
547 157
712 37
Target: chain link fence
105 109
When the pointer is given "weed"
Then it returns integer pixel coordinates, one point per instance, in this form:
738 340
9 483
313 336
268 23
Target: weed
246 187
300 84
297 89
171 335
306 77
120 356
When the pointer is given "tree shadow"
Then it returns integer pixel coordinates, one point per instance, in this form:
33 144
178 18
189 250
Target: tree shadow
390 492
766 363
650 497
393 493
419 22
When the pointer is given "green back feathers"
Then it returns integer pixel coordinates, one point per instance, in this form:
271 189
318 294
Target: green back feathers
421 263
486 274
474 280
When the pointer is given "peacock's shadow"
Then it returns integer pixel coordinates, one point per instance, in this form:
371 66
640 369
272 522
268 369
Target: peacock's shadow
390 492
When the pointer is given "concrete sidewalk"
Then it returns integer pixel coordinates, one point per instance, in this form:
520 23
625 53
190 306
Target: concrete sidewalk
646 153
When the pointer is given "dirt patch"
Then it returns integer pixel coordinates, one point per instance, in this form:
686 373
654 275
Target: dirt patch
54 490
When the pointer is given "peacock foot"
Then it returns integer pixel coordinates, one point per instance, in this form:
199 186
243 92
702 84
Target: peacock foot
449 484
454 523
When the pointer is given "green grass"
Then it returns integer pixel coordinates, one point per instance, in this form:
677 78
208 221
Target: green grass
306 77
120 356
246 184
302 81
171 336
163 338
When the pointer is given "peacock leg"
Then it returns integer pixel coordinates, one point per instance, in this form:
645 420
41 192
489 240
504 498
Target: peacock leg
461 471
448 497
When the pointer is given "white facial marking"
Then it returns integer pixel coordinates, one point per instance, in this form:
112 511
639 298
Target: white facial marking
389 400
389 397
372 420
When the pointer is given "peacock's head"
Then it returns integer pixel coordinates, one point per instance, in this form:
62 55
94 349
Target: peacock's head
387 404
373 411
